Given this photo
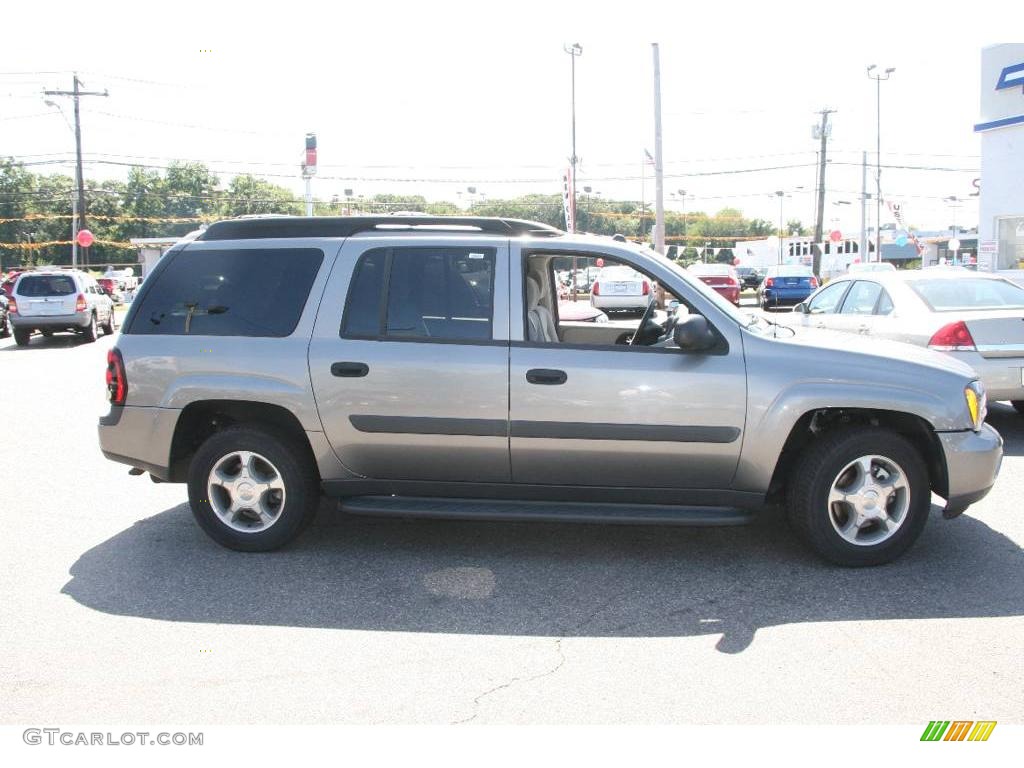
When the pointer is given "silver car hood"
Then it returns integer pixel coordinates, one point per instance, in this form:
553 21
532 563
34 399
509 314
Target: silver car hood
880 349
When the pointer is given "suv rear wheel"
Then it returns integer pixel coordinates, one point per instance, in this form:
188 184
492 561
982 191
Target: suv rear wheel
1018 405
859 496
252 489
90 332
111 325
22 336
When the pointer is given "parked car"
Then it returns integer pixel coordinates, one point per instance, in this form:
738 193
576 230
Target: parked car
785 285
621 289
5 323
420 371
721 277
581 312
977 318
749 277
111 287
52 300
7 286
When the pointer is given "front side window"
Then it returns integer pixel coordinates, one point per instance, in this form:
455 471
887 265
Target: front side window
828 299
239 292
428 293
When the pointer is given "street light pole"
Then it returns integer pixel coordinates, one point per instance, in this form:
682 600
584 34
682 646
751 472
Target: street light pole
575 50
878 78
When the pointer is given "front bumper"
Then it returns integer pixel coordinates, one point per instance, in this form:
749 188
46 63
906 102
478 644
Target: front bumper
972 465
76 320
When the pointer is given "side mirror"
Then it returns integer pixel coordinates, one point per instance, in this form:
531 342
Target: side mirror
802 308
693 334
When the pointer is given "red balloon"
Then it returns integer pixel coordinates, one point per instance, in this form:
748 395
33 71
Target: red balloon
599 262
736 262
856 261
85 238
835 235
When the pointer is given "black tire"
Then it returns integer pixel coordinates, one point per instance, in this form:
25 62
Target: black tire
811 481
6 330
22 336
295 466
91 332
111 325
1018 405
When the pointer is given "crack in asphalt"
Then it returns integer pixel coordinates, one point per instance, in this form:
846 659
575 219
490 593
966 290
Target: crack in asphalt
561 661
513 681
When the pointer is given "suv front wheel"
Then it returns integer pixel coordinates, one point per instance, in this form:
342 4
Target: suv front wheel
859 496
252 489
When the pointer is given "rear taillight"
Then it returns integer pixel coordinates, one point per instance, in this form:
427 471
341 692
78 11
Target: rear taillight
647 288
12 306
117 382
769 283
596 289
814 282
952 337
80 305
731 281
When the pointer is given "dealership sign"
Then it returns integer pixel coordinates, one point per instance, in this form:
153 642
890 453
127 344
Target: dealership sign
1002 86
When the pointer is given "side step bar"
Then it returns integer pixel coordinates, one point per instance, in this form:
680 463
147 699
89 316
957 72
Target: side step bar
558 511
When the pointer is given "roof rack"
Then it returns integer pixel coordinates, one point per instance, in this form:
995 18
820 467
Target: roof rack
346 226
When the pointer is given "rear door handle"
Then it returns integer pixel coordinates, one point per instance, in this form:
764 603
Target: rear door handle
546 376
350 370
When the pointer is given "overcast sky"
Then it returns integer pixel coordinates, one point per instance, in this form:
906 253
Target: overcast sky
447 95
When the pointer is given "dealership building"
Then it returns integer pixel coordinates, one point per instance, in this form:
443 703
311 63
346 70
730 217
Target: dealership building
1001 206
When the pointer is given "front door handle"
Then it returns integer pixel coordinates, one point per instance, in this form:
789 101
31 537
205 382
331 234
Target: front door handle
350 370
546 376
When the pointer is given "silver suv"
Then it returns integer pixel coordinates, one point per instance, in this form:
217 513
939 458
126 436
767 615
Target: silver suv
52 300
420 366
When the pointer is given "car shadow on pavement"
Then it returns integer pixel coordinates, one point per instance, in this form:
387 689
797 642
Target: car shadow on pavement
542 579
1010 425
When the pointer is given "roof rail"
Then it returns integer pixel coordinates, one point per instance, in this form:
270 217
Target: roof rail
345 226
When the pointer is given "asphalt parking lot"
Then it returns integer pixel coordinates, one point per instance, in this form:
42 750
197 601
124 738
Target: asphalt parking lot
115 608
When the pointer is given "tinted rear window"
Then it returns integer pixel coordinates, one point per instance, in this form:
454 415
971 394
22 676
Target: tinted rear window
239 292
944 295
427 293
46 285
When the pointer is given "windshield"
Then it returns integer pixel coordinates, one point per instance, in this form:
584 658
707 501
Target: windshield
944 295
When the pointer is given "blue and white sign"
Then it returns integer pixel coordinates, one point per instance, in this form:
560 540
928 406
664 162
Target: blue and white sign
1002 86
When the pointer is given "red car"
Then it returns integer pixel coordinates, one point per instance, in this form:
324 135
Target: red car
721 277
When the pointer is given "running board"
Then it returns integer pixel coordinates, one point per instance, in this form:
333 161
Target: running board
556 511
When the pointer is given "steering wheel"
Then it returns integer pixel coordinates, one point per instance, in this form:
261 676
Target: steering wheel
648 314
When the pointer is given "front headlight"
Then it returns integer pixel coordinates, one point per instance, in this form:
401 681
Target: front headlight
977 403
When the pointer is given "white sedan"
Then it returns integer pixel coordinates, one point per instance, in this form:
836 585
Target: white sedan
975 317
622 289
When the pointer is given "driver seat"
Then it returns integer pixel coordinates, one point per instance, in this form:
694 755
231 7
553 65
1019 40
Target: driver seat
541 323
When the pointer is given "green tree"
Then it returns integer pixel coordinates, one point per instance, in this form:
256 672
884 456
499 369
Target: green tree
247 194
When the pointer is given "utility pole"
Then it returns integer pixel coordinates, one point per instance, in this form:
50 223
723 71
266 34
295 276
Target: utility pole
824 131
659 192
76 93
863 246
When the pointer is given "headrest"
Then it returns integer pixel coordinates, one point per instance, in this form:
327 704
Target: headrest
533 292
